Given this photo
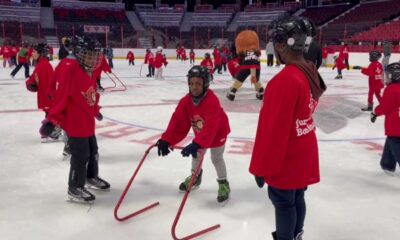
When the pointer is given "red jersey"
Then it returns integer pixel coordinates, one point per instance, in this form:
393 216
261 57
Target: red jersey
344 52
390 107
217 57
208 120
233 66
5 50
183 54
340 63
192 55
149 59
130 56
375 75
23 56
14 51
325 52
285 150
159 60
103 67
75 103
207 63
42 77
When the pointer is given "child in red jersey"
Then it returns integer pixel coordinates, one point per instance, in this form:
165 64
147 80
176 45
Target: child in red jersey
41 81
149 59
160 62
200 110
390 107
192 56
340 64
208 64
375 78
103 67
74 109
131 58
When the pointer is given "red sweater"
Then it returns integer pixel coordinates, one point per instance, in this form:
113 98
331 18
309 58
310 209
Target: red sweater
159 60
75 100
103 67
149 59
130 56
390 107
42 77
208 120
285 150
375 75
207 63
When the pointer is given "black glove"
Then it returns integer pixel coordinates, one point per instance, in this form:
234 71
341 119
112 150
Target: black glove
190 149
260 181
373 117
357 67
163 147
99 116
47 128
32 87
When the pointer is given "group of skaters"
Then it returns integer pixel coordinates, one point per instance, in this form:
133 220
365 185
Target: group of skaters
285 154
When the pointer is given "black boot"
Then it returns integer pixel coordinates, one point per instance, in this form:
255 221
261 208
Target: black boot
369 108
231 94
99 87
274 236
260 93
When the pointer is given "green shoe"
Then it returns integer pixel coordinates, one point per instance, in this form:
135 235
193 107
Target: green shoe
223 190
185 185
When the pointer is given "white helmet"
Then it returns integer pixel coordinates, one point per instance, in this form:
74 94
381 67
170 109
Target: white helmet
159 49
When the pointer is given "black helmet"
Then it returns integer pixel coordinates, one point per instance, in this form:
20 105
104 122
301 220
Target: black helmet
393 72
42 48
87 51
374 55
291 31
201 72
207 55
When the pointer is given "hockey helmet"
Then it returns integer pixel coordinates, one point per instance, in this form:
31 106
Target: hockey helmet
207 55
374 56
159 49
393 72
87 51
201 72
291 31
42 49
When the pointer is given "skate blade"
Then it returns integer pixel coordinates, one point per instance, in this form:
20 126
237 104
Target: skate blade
97 189
223 203
193 188
49 140
78 200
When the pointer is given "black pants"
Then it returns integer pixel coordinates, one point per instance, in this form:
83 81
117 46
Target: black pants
391 154
224 66
110 62
270 60
131 62
84 160
14 60
26 66
151 71
290 211
347 63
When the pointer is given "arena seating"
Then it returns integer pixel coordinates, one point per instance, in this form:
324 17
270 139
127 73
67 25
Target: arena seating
320 15
387 31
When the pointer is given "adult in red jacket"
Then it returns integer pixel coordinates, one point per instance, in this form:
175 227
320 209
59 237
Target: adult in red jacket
390 107
131 58
285 153
149 59
102 67
374 71
42 77
200 110
74 108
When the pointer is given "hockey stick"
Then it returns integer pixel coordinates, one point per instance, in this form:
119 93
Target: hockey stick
115 84
173 229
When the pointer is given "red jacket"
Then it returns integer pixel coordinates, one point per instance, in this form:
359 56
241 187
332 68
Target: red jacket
344 52
340 63
23 56
183 54
42 77
192 55
208 120
5 51
14 51
375 75
75 102
130 56
285 149
233 66
103 67
217 57
390 107
325 52
149 59
207 63
159 60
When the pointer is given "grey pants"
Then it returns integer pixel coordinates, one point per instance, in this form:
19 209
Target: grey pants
385 61
217 158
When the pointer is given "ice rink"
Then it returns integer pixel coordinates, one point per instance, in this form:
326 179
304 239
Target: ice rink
355 200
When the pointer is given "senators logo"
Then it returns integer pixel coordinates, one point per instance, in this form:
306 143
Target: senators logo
90 96
197 123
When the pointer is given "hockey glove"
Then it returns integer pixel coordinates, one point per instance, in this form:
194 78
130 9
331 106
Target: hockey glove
357 67
99 116
190 149
47 128
260 181
32 87
163 148
373 117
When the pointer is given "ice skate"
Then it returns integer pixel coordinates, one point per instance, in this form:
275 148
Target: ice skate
339 76
223 191
231 94
80 195
365 109
185 185
98 184
55 135
299 236
260 94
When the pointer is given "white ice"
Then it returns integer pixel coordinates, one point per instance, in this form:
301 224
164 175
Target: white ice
355 200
